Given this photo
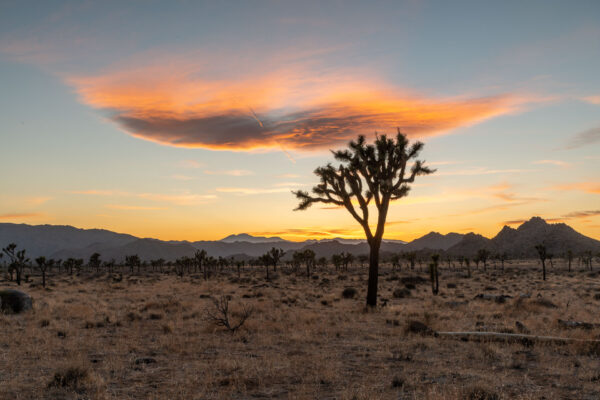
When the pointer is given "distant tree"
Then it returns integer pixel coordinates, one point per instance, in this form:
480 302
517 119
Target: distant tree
322 262
199 262
274 256
502 257
42 265
395 261
368 172
468 265
541 249
132 261
308 257
434 274
337 261
17 260
411 257
362 259
483 255
95 262
569 258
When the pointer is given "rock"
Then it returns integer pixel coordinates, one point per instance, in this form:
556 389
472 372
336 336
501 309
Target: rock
15 301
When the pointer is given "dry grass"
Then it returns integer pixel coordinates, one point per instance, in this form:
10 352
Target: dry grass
147 337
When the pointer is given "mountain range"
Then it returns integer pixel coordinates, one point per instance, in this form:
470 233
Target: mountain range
62 242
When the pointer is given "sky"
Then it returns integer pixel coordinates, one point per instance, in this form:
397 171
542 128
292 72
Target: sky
191 120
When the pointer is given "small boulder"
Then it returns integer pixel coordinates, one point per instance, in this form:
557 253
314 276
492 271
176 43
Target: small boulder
418 328
15 301
401 293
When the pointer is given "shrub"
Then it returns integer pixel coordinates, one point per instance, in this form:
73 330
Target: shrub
349 293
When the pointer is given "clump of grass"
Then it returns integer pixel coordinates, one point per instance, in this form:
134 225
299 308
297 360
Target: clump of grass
349 293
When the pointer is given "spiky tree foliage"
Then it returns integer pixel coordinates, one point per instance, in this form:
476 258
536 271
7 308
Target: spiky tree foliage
483 255
17 260
42 265
541 249
199 262
368 173
94 261
274 256
132 261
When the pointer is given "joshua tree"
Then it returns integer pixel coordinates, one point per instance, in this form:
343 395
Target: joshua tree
322 262
541 249
274 256
132 261
434 275
199 262
17 260
368 172
468 265
502 257
308 256
395 261
337 261
362 259
483 255
569 258
95 262
411 257
42 265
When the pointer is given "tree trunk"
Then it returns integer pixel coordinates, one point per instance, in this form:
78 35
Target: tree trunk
544 269
44 278
373 272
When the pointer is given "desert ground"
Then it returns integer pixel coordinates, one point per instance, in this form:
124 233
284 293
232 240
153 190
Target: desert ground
149 336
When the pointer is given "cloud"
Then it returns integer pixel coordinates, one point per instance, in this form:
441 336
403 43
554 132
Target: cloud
563 218
19 215
584 138
582 214
592 99
314 233
233 172
178 177
130 208
588 187
184 199
250 191
181 104
480 171
552 162
190 164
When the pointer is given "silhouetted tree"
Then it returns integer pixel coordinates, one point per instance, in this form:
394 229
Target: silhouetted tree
541 249
132 261
434 274
483 255
17 260
569 258
95 262
199 262
368 172
42 265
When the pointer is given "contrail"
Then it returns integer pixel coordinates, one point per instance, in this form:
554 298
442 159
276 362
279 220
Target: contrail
288 155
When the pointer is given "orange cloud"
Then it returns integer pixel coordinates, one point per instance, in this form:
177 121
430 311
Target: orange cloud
588 187
294 108
19 216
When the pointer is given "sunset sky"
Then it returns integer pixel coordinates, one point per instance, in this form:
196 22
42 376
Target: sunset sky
189 120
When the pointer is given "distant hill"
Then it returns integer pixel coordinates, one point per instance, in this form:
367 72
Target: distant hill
521 242
558 239
62 242
43 240
435 241
244 237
